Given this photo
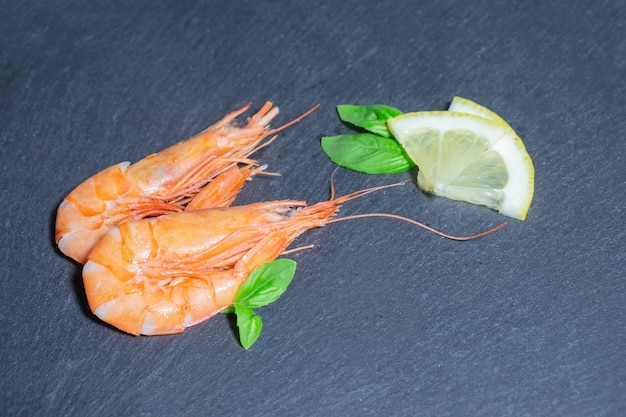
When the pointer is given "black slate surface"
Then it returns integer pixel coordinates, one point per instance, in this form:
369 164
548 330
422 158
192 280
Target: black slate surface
382 318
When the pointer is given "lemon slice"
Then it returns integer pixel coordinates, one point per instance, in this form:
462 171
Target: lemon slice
464 105
472 156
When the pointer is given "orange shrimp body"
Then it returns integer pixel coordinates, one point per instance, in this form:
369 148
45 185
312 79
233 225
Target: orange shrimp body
160 275
164 182
163 274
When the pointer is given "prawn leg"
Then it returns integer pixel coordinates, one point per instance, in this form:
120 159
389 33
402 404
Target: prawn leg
266 250
223 189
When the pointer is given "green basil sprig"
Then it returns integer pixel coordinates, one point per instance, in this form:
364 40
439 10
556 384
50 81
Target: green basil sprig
366 152
376 152
264 286
372 118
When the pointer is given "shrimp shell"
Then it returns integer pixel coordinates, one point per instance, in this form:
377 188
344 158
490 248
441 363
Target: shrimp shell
163 182
161 275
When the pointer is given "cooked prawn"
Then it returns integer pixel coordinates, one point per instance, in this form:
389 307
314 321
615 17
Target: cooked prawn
164 182
161 275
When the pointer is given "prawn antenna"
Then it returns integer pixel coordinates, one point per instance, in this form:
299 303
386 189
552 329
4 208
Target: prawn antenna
422 225
361 193
293 122
332 183
298 249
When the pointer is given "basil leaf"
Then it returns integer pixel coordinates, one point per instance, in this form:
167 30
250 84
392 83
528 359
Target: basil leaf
266 283
372 118
367 153
249 325
263 286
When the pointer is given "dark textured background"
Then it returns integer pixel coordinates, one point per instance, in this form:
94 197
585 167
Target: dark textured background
382 318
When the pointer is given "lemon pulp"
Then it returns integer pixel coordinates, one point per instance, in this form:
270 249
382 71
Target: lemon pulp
471 155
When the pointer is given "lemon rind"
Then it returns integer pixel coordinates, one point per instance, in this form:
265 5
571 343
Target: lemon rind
464 105
519 189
